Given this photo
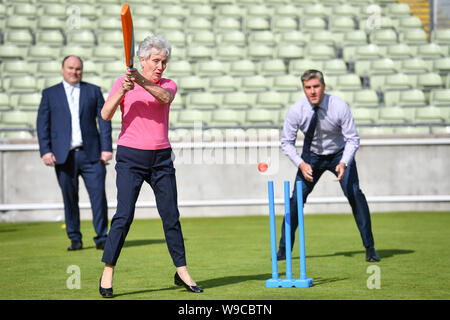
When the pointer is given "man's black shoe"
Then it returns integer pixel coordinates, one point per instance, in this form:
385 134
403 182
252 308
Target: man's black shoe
281 255
100 245
371 255
75 245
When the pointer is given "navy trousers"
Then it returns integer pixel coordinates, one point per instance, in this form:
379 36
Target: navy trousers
350 187
93 174
133 167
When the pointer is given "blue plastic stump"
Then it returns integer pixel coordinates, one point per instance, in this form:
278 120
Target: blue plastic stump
288 282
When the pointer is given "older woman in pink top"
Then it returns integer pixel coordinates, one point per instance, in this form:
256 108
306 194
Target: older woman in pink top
144 154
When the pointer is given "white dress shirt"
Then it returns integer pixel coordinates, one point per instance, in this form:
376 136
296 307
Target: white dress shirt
73 99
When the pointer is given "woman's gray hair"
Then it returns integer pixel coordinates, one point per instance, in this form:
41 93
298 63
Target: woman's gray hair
154 42
311 74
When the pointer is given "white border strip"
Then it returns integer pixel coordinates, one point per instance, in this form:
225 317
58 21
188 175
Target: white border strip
255 144
231 203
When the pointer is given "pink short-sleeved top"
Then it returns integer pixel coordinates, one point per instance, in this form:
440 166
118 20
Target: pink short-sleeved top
145 120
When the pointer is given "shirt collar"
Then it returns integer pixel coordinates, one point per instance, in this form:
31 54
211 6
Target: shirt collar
68 85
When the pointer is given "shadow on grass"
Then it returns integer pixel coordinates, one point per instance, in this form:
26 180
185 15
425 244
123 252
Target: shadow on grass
225 281
383 253
143 242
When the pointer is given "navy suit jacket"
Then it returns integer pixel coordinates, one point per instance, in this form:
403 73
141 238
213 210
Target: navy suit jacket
54 126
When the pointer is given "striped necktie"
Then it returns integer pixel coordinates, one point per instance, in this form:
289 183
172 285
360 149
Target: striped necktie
306 153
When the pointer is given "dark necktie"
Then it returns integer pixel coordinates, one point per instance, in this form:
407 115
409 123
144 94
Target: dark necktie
309 135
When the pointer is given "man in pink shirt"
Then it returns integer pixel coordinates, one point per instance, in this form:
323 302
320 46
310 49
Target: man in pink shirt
144 154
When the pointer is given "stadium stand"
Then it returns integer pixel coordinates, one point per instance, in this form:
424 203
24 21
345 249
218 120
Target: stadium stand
237 63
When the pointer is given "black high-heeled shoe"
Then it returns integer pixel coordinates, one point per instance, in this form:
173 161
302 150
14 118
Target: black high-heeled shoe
105 292
179 282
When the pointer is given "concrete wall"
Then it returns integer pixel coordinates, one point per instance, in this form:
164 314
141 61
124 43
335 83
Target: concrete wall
226 182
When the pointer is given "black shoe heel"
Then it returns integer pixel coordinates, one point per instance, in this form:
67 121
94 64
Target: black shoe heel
105 292
179 282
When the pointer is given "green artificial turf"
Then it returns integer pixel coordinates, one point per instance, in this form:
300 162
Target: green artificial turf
230 259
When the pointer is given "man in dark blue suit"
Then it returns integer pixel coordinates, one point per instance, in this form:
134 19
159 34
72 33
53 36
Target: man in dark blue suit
70 141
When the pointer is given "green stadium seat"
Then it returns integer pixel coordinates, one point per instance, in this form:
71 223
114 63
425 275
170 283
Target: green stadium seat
24 9
238 100
288 9
5 104
192 83
254 23
365 98
286 82
176 37
225 83
270 100
227 117
441 36
234 37
20 22
27 101
23 83
272 67
414 66
383 37
227 23
173 10
229 10
397 10
178 103
398 81
193 117
288 51
109 38
312 23
255 83
12 51
442 66
408 23
113 68
201 37
199 52
16 134
48 81
413 36
344 9
114 23
440 129
21 37
201 9
258 51
396 115
203 100
376 131
262 37
347 96
294 37
431 51
353 38
284 23
348 81
317 10
14 67
365 115
404 98
433 114
54 10
82 37
341 23
105 83
319 52
440 97
428 81
195 24
382 66
323 37
243 68
100 54
399 51
211 68
415 130
52 67
334 67
259 117
18 118
373 21
42 52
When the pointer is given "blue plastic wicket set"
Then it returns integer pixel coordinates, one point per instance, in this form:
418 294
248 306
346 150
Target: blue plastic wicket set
288 282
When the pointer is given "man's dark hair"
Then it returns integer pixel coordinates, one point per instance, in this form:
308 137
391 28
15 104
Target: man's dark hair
67 57
310 74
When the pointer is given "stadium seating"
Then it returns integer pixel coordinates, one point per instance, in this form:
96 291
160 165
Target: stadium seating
238 63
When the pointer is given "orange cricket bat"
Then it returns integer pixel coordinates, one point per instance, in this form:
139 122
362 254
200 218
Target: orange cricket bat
128 35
